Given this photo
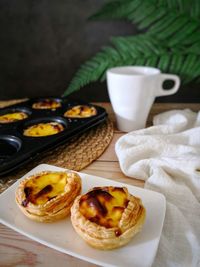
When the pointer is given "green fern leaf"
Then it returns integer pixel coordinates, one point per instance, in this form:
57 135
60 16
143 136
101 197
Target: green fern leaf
167 19
175 26
116 9
164 62
195 48
190 65
195 9
149 20
183 35
143 50
144 10
86 74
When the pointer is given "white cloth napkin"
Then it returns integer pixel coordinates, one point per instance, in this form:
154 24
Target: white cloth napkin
167 157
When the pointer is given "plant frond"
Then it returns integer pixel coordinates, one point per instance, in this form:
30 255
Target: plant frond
167 19
118 9
195 48
90 71
143 50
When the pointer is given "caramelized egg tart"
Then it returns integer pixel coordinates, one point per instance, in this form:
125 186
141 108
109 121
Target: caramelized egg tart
107 217
47 104
44 129
48 196
12 117
80 111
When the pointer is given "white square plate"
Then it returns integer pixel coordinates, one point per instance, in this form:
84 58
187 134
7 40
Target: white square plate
140 252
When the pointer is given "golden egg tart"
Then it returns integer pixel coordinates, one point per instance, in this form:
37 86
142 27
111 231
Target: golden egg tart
43 129
47 104
13 117
48 196
107 217
81 111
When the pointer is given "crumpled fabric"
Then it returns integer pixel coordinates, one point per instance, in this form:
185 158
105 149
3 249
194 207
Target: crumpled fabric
167 157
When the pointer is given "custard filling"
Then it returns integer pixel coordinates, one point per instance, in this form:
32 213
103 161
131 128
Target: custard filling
104 206
80 111
44 188
44 129
11 117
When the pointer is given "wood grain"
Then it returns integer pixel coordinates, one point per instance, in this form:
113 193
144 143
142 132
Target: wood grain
17 250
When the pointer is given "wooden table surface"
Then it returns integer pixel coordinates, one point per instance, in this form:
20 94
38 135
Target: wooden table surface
18 250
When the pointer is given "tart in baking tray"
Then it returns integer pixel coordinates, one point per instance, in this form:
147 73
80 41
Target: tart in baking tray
107 217
47 104
13 117
81 111
43 129
48 196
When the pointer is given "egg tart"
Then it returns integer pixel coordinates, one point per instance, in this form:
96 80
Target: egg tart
81 111
47 104
107 217
48 196
43 129
13 117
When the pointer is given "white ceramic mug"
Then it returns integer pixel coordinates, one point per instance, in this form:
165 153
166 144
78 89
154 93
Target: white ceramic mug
132 91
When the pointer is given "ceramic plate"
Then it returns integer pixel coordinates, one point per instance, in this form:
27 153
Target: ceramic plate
140 252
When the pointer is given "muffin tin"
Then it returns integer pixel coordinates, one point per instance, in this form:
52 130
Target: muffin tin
16 149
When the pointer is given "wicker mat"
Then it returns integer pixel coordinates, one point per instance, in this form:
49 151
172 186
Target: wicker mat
75 154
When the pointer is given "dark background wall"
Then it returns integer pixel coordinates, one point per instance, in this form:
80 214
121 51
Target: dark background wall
42 44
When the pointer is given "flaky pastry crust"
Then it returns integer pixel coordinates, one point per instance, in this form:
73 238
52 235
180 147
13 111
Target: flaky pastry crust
53 209
98 236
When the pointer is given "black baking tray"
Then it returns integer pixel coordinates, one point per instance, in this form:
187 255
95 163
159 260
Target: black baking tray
17 149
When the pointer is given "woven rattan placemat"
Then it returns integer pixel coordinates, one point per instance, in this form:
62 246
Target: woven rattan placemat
75 154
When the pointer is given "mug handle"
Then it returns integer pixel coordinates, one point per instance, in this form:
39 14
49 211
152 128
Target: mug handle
173 90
